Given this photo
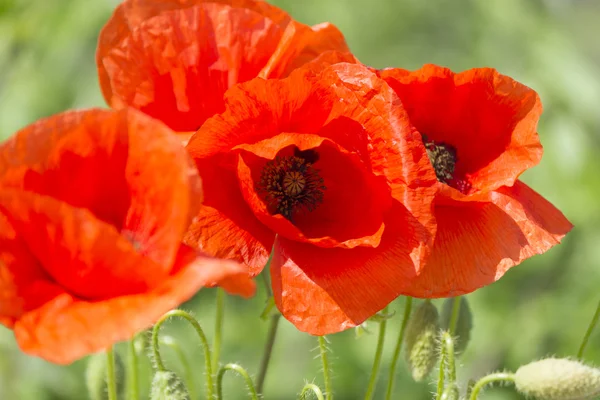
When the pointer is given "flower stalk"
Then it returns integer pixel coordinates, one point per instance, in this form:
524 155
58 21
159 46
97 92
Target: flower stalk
326 368
398 349
589 331
377 359
488 379
111 379
133 389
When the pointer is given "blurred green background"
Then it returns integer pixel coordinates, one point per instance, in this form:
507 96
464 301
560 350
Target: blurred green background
540 308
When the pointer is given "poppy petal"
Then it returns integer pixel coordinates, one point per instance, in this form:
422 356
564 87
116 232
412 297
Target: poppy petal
128 169
68 328
82 254
225 226
328 58
526 223
490 119
22 278
323 291
300 44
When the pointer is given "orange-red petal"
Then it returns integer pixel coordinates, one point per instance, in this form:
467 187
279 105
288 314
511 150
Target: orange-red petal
83 255
476 243
225 226
323 291
67 328
126 168
489 118
174 61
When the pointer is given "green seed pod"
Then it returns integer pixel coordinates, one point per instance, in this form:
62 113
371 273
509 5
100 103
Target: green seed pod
464 323
421 340
166 385
95 376
558 379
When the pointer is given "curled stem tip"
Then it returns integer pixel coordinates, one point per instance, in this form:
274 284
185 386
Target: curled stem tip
243 373
207 353
311 387
491 378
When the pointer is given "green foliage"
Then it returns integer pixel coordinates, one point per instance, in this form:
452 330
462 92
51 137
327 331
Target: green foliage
540 307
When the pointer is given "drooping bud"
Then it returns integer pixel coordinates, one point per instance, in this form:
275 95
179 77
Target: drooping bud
421 338
464 323
95 376
558 379
166 385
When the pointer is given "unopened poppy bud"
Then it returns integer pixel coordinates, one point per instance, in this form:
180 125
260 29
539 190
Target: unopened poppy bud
558 379
95 376
166 385
464 323
421 340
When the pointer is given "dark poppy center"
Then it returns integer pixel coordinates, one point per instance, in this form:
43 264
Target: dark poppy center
443 158
292 184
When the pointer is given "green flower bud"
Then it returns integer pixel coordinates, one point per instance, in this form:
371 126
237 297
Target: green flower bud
95 376
421 340
464 323
558 379
166 385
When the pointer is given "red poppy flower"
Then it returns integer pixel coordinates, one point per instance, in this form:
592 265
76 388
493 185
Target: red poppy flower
480 132
330 164
93 207
174 59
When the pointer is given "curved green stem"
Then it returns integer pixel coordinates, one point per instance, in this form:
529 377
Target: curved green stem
377 359
187 369
398 349
497 377
311 387
207 356
326 371
454 315
218 327
111 380
242 372
264 364
589 331
132 369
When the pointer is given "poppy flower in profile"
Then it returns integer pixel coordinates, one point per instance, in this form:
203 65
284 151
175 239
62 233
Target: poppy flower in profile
174 59
326 170
93 208
480 132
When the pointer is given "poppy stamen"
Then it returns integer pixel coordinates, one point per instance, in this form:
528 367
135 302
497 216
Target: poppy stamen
291 183
443 158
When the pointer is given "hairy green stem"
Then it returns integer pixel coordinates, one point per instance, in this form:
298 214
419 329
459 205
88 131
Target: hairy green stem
220 306
111 379
187 369
133 391
398 349
448 344
442 374
311 387
589 331
326 370
242 372
264 364
496 377
207 356
377 359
